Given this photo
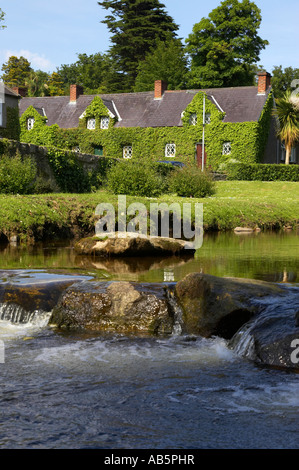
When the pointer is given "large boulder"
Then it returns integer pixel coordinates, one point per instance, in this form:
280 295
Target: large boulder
122 307
220 306
124 244
272 338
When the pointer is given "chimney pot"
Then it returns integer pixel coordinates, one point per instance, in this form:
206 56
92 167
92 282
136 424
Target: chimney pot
160 88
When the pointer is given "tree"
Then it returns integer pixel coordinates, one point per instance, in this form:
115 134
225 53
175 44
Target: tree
224 46
135 25
2 15
282 80
36 83
167 61
16 71
287 113
54 85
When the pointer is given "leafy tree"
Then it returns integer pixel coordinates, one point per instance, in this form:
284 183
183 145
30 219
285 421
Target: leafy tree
54 85
16 71
224 46
287 113
96 73
167 61
2 15
136 25
282 80
36 83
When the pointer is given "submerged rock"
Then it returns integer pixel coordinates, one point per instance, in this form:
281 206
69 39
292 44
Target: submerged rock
220 306
123 307
121 244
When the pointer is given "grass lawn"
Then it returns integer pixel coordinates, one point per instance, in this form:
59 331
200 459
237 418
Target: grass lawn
236 203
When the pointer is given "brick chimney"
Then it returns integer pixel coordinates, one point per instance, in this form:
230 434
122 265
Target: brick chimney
160 88
22 91
264 82
75 92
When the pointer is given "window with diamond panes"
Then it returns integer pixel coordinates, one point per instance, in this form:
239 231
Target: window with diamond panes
105 122
193 119
127 151
170 150
30 123
91 124
227 148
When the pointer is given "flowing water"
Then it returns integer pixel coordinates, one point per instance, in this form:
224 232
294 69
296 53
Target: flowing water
121 392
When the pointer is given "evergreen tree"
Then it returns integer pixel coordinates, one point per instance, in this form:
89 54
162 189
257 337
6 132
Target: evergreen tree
16 71
136 25
166 61
224 46
54 85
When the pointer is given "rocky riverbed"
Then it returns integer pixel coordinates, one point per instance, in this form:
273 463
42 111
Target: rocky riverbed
260 318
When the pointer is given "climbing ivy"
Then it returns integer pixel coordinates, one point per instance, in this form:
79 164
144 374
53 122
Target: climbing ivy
40 134
248 139
12 129
97 110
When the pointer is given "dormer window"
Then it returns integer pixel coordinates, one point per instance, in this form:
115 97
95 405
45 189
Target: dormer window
105 122
193 119
30 123
91 124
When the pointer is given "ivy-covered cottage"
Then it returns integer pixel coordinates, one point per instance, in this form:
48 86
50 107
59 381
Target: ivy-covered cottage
209 127
9 113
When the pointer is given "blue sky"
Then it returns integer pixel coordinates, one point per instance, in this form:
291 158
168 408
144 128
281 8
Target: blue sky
51 33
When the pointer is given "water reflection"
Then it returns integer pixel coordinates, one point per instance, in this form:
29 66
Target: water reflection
272 257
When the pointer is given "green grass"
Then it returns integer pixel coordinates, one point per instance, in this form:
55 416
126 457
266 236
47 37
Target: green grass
266 205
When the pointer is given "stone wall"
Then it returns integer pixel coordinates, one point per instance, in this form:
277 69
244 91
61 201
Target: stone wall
40 156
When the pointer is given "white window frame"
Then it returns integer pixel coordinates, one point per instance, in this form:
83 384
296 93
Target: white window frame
91 123
30 123
193 119
127 152
170 150
208 118
1 114
227 148
105 120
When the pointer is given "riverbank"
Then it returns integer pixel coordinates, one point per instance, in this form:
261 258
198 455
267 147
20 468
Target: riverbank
255 204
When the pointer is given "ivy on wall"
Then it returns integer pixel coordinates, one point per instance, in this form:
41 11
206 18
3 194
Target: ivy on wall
12 129
97 110
248 139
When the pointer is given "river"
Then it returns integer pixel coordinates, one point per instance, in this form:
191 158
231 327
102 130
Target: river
81 391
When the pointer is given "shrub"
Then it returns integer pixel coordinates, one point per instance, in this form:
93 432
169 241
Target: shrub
17 174
69 172
135 179
190 181
262 172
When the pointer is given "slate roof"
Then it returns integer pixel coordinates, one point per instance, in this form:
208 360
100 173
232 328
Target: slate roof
10 92
240 104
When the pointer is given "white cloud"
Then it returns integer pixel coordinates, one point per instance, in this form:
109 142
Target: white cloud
37 61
